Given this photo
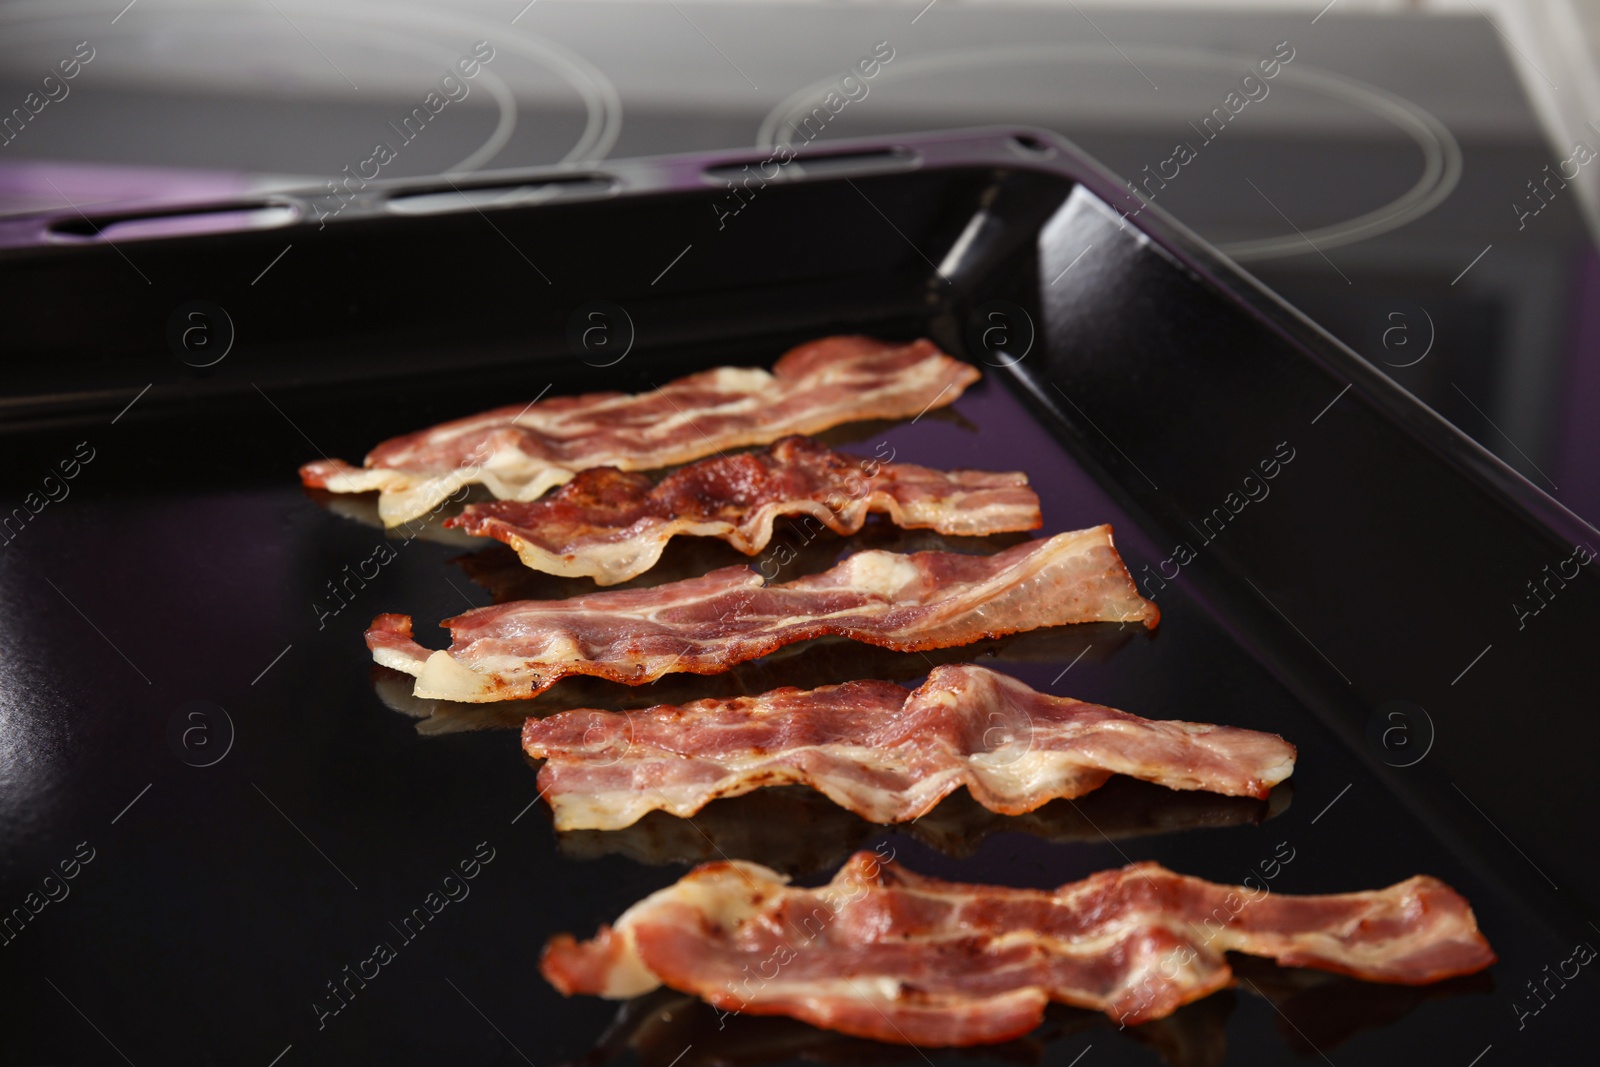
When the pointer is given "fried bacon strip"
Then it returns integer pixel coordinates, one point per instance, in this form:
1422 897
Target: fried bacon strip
706 625
520 452
612 525
883 953
883 752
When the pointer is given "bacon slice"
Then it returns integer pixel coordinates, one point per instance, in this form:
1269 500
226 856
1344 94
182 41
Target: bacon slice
612 525
706 625
796 548
884 953
886 753
520 452
809 665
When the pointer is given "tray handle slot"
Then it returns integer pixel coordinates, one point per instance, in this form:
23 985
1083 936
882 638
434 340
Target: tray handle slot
172 222
835 165
440 199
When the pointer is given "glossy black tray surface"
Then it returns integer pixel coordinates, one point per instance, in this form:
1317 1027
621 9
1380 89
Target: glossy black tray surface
247 808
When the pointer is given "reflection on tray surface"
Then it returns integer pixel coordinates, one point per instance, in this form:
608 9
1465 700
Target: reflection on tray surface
798 831
363 508
864 433
660 1027
1320 1011
807 665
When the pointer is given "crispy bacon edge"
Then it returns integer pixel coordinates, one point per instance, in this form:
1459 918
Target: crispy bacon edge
612 526
886 753
1070 578
884 953
418 472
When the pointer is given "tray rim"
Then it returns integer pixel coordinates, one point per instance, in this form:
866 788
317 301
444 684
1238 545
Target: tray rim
1014 146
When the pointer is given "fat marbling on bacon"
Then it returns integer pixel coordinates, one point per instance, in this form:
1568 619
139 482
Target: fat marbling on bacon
884 953
885 753
706 625
612 525
520 452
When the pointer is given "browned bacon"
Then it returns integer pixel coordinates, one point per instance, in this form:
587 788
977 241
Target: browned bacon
798 547
520 452
808 665
612 525
706 625
881 751
884 953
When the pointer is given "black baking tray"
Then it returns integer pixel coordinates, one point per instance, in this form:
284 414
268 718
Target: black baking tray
261 808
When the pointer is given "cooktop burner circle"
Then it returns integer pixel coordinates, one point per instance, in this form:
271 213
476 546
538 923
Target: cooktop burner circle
366 35
1441 154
